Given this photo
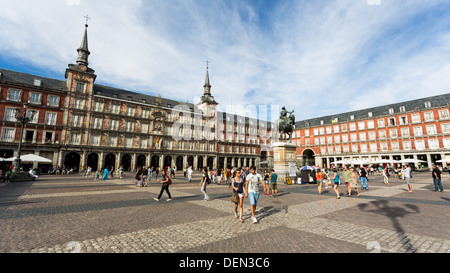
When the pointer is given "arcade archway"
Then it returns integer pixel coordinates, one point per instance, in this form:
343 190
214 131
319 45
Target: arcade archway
308 157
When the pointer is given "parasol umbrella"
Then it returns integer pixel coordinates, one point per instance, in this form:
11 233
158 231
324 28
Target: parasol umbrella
411 160
387 161
447 159
341 162
30 158
360 162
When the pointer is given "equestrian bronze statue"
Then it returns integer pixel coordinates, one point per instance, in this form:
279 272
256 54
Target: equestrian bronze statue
286 124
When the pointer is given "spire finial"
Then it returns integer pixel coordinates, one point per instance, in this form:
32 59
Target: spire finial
207 98
87 19
207 85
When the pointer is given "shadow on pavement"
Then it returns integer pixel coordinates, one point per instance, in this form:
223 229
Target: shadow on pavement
394 213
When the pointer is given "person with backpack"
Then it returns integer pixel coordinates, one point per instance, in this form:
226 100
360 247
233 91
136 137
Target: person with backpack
166 182
336 180
204 182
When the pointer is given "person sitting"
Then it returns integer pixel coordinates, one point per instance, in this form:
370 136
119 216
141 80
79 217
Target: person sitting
32 173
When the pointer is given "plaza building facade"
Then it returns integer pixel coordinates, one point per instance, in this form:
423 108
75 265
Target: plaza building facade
80 123
416 129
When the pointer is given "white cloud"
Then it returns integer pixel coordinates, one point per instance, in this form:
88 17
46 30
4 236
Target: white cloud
317 57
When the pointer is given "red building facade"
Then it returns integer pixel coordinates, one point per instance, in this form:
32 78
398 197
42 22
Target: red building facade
418 129
42 135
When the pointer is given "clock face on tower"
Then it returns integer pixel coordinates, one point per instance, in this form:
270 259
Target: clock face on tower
83 68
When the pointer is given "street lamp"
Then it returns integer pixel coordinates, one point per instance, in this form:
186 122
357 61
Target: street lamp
24 119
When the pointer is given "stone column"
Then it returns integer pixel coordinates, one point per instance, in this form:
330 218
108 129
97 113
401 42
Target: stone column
444 164
416 164
429 162
195 163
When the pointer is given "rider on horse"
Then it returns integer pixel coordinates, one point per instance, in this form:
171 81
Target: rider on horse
286 124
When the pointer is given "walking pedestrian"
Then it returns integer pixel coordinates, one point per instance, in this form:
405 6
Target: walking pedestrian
120 172
205 181
189 172
238 188
157 173
219 176
385 174
266 182
273 183
138 177
214 173
437 179
166 182
346 175
252 190
363 178
105 174
353 182
337 181
319 178
149 174
406 174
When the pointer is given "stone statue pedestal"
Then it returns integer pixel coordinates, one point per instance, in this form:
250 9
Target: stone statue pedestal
283 154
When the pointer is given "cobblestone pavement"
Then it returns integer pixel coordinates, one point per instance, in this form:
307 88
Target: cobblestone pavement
77 214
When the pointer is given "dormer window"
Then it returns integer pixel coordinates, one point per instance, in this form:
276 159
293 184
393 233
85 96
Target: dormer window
37 82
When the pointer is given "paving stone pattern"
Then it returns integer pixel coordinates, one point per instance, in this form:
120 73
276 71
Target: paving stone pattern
77 214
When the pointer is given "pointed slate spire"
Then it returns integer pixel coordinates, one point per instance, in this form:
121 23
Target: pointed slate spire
207 85
83 51
207 98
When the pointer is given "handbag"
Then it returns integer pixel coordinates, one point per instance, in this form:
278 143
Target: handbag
235 197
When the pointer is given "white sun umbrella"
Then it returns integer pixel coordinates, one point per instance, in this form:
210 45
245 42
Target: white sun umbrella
411 160
446 159
387 161
30 158
360 162
341 162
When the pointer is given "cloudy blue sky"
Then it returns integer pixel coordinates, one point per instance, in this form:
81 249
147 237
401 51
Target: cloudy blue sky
317 57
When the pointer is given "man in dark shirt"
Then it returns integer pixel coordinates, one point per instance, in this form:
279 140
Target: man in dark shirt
437 177
363 178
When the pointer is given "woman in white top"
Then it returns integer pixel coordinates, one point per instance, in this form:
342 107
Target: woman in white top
385 176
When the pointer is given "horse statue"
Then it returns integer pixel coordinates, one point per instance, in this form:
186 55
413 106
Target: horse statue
286 124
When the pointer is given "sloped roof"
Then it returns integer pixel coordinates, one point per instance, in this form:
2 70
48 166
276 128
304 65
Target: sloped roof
379 111
25 79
